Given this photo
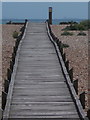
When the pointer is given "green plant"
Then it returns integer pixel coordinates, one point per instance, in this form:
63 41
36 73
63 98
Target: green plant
69 22
81 34
15 34
75 27
67 33
64 45
83 25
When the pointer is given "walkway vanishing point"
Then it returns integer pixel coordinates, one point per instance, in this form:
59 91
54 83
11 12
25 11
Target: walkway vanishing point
38 88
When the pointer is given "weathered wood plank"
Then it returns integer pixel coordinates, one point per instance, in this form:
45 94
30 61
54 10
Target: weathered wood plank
40 89
44 99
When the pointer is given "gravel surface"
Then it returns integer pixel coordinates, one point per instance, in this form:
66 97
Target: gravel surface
77 54
7 46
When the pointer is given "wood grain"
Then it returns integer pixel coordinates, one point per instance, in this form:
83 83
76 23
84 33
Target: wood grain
40 89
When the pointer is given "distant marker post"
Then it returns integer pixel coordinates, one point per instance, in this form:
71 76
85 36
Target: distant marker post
50 15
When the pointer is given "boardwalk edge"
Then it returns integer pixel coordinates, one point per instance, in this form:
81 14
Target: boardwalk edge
66 74
10 90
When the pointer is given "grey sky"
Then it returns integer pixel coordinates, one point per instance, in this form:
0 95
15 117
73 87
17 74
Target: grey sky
39 10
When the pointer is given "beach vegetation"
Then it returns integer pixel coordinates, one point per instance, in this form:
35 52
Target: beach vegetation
81 34
66 33
83 25
15 34
69 22
64 45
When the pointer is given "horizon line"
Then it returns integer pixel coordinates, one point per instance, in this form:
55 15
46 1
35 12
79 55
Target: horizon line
41 18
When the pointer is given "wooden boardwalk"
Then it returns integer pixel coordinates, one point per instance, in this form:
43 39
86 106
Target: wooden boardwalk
39 89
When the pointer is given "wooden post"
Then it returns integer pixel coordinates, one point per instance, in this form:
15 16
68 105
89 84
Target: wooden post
13 57
9 72
50 15
16 43
53 37
75 84
26 21
20 37
6 86
64 57
56 39
67 65
71 74
82 99
61 50
88 114
11 65
4 97
59 43
14 50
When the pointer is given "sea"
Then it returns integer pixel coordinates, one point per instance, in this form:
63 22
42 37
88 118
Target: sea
54 21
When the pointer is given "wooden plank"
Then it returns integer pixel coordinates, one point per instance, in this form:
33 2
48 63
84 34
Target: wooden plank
70 86
4 97
43 99
82 99
6 86
40 88
53 117
1 112
9 96
62 113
